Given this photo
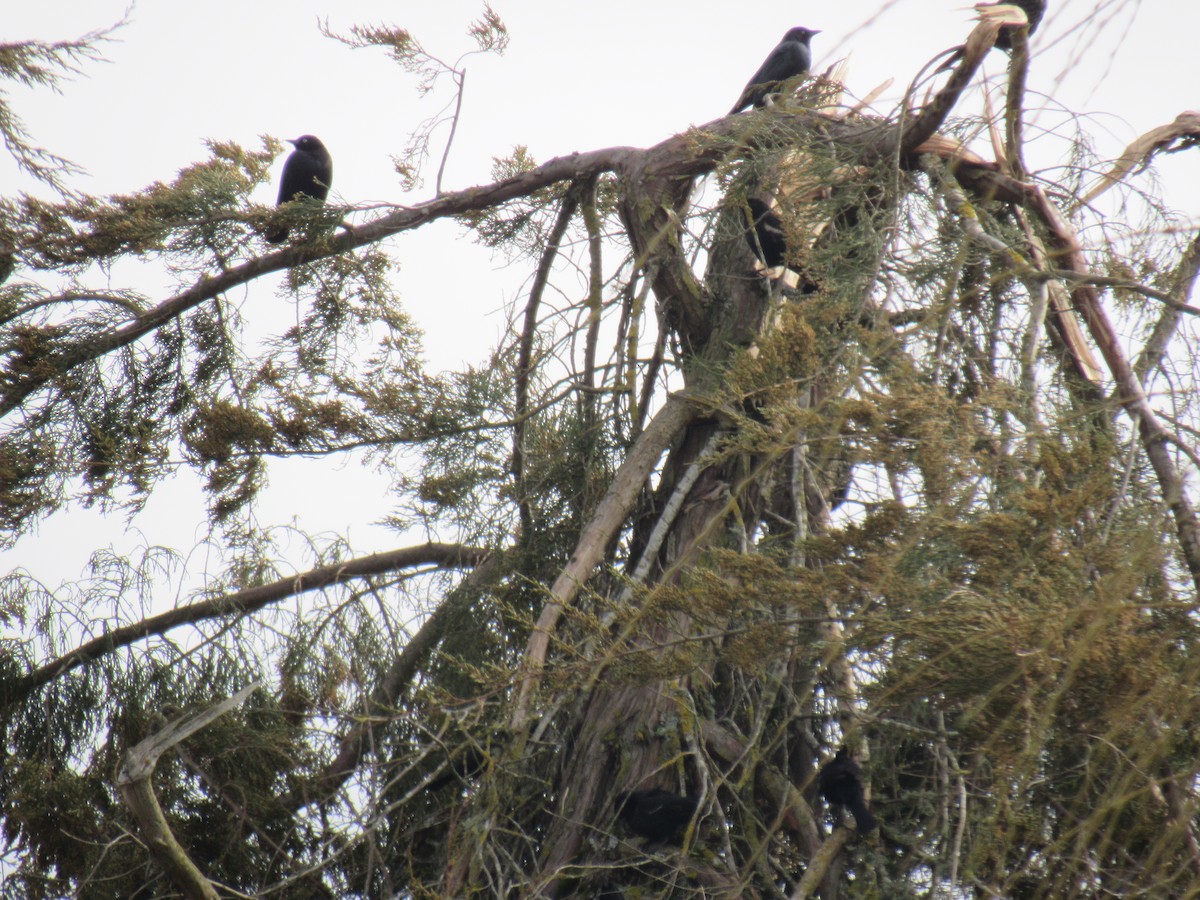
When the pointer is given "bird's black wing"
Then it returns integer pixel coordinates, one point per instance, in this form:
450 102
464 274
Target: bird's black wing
864 821
765 233
840 782
787 60
847 790
655 814
304 174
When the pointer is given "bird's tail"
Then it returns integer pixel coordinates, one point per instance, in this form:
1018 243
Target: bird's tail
864 821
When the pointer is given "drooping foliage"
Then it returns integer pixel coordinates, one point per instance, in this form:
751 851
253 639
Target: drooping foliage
704 524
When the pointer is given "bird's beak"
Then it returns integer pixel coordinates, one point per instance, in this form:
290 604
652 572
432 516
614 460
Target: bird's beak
292 142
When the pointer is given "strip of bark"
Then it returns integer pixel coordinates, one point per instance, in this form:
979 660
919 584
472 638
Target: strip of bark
138 794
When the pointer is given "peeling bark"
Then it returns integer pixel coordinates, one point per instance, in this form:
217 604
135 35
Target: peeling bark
136 790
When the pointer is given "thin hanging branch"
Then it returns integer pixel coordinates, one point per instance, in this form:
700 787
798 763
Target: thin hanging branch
566 212
460 80
591 220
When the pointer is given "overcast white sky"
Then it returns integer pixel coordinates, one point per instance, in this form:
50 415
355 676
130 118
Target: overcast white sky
574 78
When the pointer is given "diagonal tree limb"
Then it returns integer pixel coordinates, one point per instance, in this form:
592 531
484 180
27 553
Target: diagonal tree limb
1184 281
681 409
821 862
1129 389
927 122
382 703
241 602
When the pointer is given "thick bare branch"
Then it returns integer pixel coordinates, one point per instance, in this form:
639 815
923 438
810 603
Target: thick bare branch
249 600
1018 72
681 408
931 118
821 862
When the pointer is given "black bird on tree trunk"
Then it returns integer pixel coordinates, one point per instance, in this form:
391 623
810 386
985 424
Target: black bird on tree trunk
657 815
790 58
840 782
765 233
308 172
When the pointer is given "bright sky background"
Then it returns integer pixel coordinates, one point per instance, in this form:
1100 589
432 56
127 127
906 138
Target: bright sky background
572 79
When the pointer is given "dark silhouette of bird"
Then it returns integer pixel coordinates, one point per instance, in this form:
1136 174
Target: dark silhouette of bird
657 815
461 768
764 233
840 782
308 172
1034 10
791 57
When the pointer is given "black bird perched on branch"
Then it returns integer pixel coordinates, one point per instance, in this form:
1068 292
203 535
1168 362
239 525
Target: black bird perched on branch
791 57
657 815
840 782
308 172
765 233
1034 10
462 768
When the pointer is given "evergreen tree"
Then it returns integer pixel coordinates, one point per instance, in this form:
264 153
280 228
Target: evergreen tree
907 494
